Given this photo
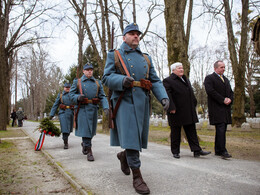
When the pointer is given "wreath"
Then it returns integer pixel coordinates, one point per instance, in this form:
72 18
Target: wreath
48 127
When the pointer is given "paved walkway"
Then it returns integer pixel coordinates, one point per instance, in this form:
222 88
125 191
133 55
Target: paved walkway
163 174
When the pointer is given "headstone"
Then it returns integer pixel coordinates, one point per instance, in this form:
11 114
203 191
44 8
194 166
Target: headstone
245 126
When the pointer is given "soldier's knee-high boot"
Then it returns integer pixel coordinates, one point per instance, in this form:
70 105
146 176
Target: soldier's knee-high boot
124 166
90 156
138 182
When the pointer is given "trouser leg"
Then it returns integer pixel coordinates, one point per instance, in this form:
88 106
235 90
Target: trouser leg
65 137
175 139
192 137
133 158
220 138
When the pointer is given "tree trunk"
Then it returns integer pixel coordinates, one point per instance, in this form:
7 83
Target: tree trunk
238 67
177 42
4 74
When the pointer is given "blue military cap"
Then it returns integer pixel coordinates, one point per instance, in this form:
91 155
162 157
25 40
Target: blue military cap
88 66
131 27
67 85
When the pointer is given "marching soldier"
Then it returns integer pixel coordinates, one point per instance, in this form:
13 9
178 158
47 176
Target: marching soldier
130 75
66 113
88 93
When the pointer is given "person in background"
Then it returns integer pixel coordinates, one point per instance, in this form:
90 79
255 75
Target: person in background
66 113
20 117
220 98
182 111
87 92
132 117
13 116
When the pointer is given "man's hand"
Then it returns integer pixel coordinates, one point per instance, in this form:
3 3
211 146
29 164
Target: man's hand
127 81
227 101
81 98
166 104
172 111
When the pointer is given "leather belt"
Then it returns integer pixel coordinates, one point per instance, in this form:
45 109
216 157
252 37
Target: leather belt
90 101
64 107
143 83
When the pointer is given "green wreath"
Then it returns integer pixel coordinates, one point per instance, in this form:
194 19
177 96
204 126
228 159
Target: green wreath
48 127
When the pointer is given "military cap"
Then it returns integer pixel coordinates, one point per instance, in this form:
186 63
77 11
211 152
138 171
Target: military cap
67 85
131 27
88 66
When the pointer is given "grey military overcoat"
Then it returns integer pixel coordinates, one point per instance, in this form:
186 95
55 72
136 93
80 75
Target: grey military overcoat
65 116
87 115
132 119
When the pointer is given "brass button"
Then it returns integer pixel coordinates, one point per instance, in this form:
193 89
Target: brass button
132 66
133 89
129 59
133 74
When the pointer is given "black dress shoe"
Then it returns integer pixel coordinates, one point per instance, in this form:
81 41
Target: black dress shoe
226 155
217 154
202 153
176 155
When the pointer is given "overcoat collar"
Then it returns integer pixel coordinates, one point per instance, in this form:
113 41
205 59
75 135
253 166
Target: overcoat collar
84 78
174 76
64 92
126 48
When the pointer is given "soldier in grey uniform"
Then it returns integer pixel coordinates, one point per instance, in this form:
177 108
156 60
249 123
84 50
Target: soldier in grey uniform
132 115
87 92
66 113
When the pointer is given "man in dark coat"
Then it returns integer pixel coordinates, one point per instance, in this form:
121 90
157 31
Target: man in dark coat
220 97
13 116
182 111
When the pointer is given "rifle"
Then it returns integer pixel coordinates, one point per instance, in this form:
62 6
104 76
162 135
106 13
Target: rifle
110 116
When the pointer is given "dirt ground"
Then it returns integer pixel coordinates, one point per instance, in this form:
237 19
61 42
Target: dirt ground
25 171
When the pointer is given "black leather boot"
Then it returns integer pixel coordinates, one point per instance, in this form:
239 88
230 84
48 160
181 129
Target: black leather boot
90 156
139 185
124 166
66 145
84 149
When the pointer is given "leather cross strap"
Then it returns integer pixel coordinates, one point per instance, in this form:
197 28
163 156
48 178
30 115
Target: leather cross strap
122 62
122 94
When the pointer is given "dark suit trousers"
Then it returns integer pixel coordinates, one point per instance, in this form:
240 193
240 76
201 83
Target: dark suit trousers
191 133
220 138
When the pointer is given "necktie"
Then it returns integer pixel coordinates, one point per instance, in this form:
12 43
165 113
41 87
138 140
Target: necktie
222 78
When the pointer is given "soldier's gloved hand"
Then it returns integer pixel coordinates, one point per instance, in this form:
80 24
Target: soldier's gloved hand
81 98
166 104
50 117
127 81
106 112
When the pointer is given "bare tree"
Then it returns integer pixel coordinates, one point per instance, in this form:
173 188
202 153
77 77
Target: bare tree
177 37
18 19
40 78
